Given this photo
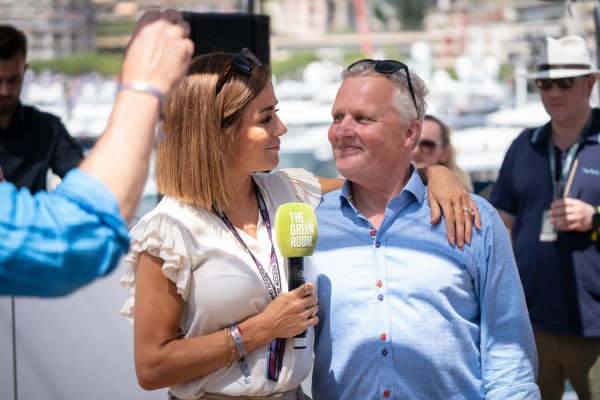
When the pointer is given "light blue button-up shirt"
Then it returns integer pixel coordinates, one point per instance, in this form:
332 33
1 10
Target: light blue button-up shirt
54 243
404 315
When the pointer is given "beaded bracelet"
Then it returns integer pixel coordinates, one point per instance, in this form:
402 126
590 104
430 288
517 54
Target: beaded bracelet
143 87
239 344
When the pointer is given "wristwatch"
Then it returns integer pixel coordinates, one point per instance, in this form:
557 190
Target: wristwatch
596 219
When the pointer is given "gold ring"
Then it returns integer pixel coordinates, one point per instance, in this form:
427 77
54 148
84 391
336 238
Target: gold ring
468 210
306 288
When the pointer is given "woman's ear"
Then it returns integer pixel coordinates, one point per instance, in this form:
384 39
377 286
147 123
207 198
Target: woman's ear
445 155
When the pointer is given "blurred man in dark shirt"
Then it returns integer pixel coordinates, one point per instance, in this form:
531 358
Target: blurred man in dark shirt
31 141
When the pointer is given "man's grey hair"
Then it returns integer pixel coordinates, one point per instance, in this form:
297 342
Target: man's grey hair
405 105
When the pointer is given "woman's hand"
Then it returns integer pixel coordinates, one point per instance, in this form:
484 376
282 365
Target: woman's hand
446 195
288 315
293 312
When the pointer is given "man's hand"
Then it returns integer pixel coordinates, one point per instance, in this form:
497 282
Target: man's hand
157 58
571 215
159 51
446 195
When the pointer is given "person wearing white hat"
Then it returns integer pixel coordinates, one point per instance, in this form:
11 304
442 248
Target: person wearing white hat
548 194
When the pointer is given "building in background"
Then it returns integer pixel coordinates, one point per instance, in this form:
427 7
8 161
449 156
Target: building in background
299 17
58 28
54 28
508 30
116 19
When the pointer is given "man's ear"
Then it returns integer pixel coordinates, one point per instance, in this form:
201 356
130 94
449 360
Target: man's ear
413 132
591 81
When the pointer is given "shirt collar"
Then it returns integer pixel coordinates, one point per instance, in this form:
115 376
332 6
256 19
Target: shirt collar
18 118
414 189
540 135
590 132
593 132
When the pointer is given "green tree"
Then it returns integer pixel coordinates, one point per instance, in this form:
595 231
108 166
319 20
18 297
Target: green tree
293 66
102 63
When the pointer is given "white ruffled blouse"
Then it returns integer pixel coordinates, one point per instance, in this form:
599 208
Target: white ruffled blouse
219 281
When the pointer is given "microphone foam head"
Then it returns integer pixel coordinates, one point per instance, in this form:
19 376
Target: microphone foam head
296 229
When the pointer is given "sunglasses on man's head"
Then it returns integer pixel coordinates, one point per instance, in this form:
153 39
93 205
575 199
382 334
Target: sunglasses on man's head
243 62
563 83
388 67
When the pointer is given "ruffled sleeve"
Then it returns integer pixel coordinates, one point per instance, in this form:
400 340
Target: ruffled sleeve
305 185
164 237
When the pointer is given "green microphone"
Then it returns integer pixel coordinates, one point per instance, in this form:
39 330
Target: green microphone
296 233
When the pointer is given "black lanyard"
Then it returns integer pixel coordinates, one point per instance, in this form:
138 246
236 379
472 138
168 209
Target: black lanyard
558 183
274 288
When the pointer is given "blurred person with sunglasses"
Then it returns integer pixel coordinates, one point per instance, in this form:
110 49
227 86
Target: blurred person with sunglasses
548 194
208 298
435 148
402 315
54 243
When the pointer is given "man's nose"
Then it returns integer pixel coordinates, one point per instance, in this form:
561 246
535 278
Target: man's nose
344 127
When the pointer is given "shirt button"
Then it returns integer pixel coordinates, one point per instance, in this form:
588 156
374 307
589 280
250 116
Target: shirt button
383 336
384 352
377 244
386 394
380 297
372 232
379 284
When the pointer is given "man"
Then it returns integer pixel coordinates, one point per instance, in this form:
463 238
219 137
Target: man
548 195
31 141
435 148
403 315
54 243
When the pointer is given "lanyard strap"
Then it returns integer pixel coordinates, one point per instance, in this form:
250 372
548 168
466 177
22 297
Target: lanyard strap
558 183
277 346
274 288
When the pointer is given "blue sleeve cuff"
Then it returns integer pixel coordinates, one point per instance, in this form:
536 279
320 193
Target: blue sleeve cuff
54 243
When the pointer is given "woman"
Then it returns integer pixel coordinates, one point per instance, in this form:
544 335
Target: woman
210 297
435 148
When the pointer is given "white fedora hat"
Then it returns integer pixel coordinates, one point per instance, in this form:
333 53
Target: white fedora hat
563 58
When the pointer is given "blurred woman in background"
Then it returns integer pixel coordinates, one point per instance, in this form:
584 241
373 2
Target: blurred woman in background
435 148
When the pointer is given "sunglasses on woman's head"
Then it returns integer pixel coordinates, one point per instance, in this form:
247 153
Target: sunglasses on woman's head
547 84
388 67
243 62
